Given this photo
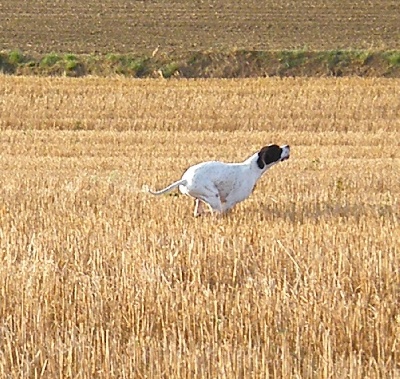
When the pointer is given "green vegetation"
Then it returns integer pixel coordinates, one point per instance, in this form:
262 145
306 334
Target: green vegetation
50 60
362 56
393 57
138 66
170 69
292 58
15 57
71 62
218 64
127 64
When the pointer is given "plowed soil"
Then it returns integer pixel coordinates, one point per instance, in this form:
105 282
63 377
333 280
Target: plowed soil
126 26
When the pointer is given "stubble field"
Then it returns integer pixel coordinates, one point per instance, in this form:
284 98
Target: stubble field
99 279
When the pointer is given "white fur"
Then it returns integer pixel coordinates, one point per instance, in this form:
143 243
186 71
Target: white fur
222 185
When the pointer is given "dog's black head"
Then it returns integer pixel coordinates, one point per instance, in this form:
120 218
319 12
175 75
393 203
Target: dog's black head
272 154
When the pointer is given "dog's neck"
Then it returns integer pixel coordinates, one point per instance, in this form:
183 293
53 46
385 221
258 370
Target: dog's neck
253 166
253 163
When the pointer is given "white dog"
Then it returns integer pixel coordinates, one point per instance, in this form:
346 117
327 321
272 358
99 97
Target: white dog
222 185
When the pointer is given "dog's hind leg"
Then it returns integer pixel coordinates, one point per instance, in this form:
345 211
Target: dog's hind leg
198 207
214 202
208 194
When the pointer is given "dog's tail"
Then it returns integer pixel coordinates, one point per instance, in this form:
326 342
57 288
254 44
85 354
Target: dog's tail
178 183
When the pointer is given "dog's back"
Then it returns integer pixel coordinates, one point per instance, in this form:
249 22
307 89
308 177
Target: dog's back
234 179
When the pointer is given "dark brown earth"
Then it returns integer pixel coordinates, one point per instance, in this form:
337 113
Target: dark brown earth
131 26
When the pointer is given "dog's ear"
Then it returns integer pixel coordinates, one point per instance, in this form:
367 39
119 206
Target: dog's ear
268 154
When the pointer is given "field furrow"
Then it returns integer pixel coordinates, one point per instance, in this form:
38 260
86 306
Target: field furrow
140 26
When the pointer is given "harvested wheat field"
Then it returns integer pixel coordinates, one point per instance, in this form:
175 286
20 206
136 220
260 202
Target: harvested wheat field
102 280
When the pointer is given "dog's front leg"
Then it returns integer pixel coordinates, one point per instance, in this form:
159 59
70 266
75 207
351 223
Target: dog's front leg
198 207
227 206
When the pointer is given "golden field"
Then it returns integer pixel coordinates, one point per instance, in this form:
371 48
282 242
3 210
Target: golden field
101 280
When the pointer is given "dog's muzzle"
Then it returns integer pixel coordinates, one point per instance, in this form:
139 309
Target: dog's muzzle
285 152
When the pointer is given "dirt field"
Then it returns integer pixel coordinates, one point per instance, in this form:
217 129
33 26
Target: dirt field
99 279
126 26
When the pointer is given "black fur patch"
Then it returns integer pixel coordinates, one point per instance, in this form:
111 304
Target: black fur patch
268 154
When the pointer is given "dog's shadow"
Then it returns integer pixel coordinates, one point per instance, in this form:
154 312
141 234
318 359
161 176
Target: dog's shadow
293 212
297 212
